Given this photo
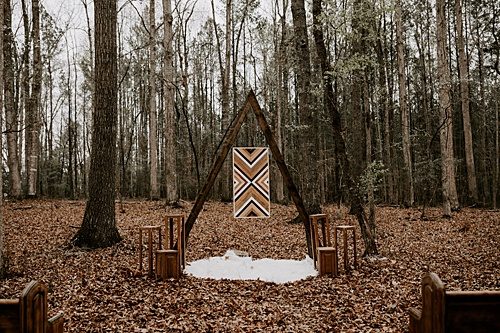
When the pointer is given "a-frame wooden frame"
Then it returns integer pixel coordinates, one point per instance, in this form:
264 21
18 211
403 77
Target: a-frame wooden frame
228 140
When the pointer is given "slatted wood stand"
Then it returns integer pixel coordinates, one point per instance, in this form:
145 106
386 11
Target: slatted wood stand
149 229
324 255
344 229
171 261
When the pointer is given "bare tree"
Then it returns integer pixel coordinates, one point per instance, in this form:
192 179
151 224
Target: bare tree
98 228
464 98
449 189
11 109
153 118
307 146
33 107
168 104
3 259
408 193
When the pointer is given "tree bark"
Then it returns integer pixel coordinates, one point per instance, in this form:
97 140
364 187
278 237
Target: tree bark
153 119
282 97
408 193
308 146
98 228
497 153
464 98
169 113
3 259
32 110
11 123
449 190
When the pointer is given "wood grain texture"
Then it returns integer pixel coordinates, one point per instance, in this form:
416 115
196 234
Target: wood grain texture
251 194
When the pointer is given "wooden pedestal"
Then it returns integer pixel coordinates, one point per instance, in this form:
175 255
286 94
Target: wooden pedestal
167 264
345 229
149 229
327 261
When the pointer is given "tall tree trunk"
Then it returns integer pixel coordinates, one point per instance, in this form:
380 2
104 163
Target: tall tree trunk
33 107
308 146
153 122
384 114
408 193
98 228
359 47
464 98
226 75
355 197
449 189
169 111
282 98
25 93
92 89
497 153
11 124
3 259
71 151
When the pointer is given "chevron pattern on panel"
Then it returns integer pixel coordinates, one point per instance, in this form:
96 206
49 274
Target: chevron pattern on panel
251 182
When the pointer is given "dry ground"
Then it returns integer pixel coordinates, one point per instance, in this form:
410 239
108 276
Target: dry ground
98 291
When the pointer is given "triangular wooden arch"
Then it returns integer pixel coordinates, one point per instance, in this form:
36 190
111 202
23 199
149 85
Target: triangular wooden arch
228 140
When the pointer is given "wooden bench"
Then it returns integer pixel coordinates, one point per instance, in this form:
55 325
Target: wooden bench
455 311
28 313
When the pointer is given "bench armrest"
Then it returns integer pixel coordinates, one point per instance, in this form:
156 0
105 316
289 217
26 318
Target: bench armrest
56 323
415 317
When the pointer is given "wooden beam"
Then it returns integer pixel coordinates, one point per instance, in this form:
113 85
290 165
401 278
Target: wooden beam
228 141
280 161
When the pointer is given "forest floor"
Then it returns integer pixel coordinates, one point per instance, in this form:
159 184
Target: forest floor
99 290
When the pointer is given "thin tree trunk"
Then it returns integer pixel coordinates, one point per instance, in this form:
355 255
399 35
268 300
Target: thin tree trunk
169 111
449 190
11 124
464 98
497 154
3 259
282 98
408 193
25 92
33 112
70 127
92 90
153 118
226 75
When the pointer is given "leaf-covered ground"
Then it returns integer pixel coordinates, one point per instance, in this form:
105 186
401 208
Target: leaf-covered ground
99 292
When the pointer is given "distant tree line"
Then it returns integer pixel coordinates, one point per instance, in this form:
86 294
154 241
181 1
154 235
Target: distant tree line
411 88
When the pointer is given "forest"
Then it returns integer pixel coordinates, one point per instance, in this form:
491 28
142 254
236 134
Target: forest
411 97
381 114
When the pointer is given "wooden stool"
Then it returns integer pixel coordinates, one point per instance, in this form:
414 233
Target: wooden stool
149 229
167 264
324 255
344 229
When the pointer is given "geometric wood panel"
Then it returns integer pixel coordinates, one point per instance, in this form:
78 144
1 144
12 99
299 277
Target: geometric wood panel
251 196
